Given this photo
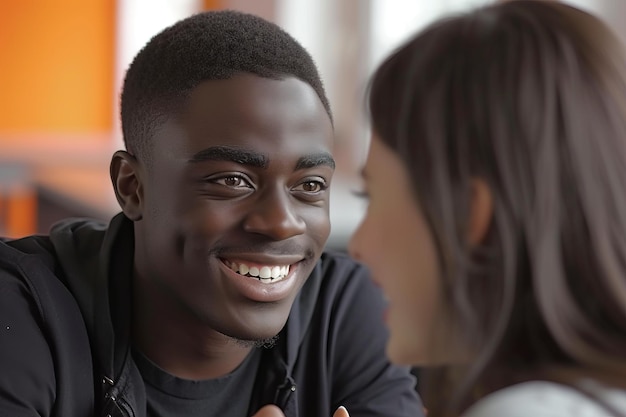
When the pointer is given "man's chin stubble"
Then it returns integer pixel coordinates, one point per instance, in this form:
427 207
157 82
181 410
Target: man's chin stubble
260 343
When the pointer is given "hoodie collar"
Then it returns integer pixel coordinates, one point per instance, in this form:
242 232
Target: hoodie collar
97 259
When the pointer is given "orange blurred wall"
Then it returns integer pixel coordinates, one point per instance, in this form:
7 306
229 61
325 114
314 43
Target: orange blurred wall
57 76
56 65
212 4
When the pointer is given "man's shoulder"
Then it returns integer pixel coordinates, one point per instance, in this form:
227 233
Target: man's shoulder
39 263
336 279
31 263
15 251
339 279
70 232
542 398
340 265
337 275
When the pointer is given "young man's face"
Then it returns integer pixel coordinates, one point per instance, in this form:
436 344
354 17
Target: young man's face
235 204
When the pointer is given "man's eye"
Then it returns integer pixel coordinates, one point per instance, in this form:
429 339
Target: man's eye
233 181
312 186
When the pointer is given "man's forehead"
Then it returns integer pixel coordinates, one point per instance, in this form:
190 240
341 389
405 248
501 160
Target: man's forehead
267 117
240 87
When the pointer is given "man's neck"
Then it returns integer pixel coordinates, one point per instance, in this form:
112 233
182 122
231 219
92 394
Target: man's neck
178 342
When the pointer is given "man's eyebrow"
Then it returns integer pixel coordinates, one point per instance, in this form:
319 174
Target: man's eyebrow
314 160
232 154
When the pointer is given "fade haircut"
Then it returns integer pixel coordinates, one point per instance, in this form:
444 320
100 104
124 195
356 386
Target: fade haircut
213 45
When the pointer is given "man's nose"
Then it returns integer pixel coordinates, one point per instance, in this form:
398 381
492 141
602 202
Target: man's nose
275 215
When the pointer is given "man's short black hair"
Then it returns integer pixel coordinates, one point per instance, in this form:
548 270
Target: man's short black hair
207 46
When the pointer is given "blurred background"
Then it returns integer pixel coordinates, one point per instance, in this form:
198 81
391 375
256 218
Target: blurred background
62 63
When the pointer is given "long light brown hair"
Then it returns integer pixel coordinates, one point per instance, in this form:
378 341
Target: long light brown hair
529 96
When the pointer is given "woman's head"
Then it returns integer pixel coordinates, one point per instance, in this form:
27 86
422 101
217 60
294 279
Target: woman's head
509 126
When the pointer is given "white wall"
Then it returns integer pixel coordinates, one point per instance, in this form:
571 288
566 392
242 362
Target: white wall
137 22
393 21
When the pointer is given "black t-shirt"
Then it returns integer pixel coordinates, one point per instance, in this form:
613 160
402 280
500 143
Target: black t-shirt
170 396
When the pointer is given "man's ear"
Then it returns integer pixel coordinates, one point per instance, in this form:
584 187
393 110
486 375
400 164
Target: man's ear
481 211
127 183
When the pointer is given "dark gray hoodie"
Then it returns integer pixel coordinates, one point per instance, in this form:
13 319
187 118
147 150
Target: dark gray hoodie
69 293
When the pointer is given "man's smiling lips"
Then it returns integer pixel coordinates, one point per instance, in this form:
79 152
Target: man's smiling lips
257 284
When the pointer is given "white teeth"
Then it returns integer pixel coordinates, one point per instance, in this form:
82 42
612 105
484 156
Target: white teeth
265 272
277 271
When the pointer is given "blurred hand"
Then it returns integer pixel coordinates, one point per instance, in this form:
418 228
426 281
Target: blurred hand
273 411
269 411
341 412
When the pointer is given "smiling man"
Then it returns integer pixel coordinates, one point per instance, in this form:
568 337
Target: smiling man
210 294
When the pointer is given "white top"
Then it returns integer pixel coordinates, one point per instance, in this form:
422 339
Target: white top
548 399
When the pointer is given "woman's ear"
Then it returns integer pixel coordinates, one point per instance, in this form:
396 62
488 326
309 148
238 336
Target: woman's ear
481 211
126 178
